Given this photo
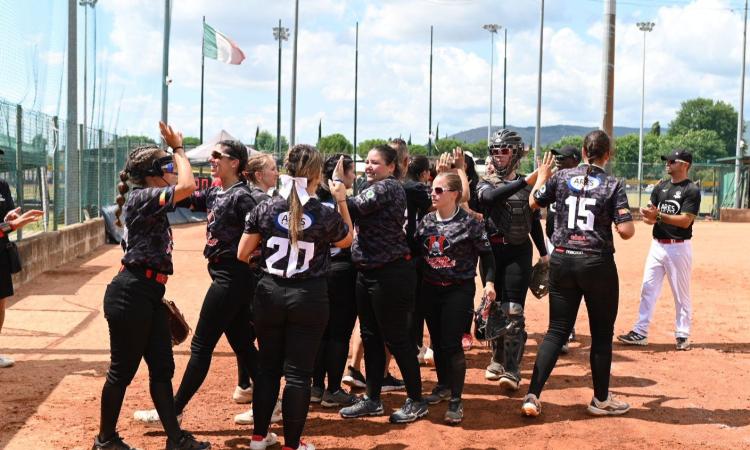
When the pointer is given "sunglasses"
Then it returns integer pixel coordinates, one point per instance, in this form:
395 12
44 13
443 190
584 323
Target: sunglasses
219 155
501 151
439 191
169 168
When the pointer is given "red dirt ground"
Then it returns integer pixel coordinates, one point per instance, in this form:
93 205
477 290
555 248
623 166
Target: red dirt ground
698 399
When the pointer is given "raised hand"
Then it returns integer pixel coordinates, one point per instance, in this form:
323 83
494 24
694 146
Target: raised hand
171 137
458 158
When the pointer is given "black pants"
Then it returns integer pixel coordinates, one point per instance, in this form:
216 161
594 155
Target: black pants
417 322
290 317
513 272
225 310
571 277
446 311
385 304
138 328
334 348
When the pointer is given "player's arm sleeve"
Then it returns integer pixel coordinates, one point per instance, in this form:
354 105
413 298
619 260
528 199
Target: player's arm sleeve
368 201
621 213
537 235
546 195
488 265
156 201
252 219
653 199
692 203
424 201
489 195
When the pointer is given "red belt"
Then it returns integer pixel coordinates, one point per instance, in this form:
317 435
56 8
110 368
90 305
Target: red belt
446 283
498 240
159 277
670 241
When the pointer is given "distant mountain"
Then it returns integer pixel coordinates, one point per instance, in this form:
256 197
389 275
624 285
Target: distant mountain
550 134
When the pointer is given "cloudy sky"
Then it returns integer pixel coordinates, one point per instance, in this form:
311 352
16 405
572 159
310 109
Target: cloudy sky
694 50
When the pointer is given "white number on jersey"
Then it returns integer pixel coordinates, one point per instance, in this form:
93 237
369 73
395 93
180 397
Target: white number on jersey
577 207
282 246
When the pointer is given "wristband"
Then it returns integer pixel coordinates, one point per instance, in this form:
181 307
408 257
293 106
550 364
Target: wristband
658 216
179 146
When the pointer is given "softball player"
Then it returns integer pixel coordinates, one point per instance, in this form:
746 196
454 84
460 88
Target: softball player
504 198
450 243
674 205
587 203
133 306
386 281
295 232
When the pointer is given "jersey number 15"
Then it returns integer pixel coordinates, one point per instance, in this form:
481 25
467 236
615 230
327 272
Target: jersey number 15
578 216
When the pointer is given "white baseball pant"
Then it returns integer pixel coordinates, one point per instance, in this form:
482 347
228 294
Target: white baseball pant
675 261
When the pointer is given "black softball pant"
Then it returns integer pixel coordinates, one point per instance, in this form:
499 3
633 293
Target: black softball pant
290 317
138 328
513 271
385 304
334 348
594 278
447 308
225 310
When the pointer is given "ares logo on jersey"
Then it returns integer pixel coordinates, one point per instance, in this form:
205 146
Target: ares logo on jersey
282 221
576 183
436 245
677 195
669 207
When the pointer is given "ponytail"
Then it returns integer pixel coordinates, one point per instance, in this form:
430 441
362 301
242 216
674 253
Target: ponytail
122 188
295 215
138 162
301 161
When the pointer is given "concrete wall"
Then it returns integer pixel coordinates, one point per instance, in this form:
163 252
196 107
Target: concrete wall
735 215
49 250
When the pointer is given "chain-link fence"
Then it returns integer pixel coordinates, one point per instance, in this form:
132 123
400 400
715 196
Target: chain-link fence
68 187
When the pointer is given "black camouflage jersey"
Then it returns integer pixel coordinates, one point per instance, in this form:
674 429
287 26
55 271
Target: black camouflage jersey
583 218
499 216
418 203
549 226
227 210
147 236
378 216
321 226
341 258
450 248
675 198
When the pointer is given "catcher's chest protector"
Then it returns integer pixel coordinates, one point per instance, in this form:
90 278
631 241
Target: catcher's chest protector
520 217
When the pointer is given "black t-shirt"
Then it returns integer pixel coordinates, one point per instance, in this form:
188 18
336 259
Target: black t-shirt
227 210
341 258
675 198
583 218
418 202
450 249
378 215
147 236
321 226
6 206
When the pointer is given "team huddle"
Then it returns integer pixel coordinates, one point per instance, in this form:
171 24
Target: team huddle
296 267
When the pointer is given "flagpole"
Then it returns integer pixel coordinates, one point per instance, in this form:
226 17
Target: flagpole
203 70
356 69
429 125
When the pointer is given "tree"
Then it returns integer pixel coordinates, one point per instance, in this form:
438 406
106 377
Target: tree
257 131
191 141
705 114
447 145
575 141
335 143
266 142
135 140
367 145
705 145
656 129
626 156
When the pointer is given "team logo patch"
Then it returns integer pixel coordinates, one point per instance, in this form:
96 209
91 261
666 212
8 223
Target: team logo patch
669 207
678 195
282 221
576 183
436 245
370 194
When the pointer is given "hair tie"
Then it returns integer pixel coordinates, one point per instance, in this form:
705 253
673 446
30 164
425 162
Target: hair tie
299 184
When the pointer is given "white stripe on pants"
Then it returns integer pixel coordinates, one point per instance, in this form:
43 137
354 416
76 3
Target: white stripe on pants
674 261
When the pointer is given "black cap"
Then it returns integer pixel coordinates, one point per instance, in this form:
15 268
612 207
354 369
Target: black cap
678 154
568 151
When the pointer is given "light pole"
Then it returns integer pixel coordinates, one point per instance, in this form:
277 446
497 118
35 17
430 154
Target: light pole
645 27
293 133
740 122
492 28
280 34
538 129
85 4
165 62
505 71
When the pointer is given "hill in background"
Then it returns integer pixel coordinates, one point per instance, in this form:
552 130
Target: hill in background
550 134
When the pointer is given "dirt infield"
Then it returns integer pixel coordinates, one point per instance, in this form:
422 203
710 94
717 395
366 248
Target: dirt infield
698 399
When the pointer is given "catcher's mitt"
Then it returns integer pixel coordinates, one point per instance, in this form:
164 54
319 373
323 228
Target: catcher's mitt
490 322
539 281
178 326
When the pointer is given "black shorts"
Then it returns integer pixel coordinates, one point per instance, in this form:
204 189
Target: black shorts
6 281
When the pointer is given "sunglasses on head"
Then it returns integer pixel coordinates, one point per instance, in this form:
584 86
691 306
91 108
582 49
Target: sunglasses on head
497 151
675 161
439 191
219 155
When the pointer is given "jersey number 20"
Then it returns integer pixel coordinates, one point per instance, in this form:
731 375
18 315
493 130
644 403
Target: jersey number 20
282 246
577 207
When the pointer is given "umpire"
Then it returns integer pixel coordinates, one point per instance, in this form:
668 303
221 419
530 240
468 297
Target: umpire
673 207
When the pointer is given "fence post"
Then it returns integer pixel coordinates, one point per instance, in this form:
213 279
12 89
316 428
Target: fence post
55 168
80 173
19 163
99 175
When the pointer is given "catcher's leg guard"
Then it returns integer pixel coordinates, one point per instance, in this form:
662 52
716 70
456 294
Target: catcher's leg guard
515 340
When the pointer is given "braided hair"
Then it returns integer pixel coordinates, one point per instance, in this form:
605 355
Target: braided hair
138 162
301 161
257 163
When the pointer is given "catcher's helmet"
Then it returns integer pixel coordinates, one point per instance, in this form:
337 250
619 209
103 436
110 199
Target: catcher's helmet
506 138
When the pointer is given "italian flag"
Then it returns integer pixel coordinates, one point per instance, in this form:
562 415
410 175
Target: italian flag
217 46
